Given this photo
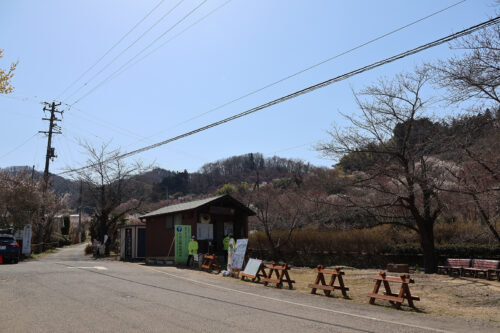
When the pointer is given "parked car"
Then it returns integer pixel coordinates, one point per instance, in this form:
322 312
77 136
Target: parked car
9 248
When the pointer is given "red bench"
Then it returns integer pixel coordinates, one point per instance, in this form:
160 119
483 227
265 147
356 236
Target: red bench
486 267
457 265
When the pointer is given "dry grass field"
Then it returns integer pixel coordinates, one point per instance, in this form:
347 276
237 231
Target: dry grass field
440 295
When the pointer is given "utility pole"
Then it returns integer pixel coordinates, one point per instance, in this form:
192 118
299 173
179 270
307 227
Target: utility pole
80 215
53 129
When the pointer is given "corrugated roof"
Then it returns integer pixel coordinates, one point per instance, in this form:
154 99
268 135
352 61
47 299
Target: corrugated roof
182 206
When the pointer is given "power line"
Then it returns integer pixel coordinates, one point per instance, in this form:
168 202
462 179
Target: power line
128 47
310 88
174 37
82 115
111 49
294 74
21 145
73 127
140 52
104 123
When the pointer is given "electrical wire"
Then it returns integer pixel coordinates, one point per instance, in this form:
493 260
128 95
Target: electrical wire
140 52
101 122
111 49
128 47
173 37
292 75
309 89
21 145
290 148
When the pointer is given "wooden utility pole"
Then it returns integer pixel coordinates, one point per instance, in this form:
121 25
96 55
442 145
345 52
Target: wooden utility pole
53 129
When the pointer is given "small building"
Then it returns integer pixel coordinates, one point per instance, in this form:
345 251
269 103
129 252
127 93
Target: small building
133 240
211 219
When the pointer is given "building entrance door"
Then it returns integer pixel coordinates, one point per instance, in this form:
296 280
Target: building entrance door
141 243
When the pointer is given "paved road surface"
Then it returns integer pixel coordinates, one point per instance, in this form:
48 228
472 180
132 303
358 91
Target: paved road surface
67 292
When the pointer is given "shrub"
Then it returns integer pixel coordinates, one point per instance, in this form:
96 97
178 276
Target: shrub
89 249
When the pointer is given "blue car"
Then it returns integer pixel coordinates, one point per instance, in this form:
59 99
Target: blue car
9 248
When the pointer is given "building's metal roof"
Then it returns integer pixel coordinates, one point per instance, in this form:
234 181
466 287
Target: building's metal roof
192 205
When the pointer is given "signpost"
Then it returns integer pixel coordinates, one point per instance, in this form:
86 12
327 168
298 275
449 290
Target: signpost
239 254
26 250
182 238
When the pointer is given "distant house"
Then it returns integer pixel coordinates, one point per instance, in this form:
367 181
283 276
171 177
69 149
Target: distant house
211 219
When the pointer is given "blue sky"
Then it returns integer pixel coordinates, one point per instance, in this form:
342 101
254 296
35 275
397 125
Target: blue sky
241 47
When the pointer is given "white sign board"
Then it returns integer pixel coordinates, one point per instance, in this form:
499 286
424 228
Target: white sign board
239 254
228 228
252 266
204 231
26 250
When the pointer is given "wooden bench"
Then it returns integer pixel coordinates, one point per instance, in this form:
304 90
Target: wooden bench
394 299
482 266
320 282
454 265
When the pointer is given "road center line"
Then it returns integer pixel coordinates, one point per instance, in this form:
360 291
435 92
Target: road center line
298 304
100 268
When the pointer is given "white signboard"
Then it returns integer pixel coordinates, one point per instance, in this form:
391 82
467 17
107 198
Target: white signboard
27 240
228 228
252 266
239 254
204 231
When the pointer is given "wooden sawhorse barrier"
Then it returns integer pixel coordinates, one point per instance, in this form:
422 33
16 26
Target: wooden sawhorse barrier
335 273
395 299
261 272
210 262
282 275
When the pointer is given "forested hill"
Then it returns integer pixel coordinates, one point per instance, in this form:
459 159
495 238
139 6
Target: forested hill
157 184
249 168
433 138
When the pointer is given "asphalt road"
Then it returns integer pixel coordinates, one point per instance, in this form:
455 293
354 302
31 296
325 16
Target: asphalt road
67 292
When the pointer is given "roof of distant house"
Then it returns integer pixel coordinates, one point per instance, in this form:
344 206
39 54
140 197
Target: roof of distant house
196 204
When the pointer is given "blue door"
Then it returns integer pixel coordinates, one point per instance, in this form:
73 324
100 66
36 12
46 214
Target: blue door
141 243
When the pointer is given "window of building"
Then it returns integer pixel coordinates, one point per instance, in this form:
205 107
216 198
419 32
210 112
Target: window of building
173 220
169 222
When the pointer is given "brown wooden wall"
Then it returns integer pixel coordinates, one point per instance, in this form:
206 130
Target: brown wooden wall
159 240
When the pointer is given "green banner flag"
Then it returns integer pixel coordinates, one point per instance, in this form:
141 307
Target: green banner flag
182 238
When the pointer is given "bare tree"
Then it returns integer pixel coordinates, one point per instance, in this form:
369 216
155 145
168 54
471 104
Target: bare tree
108 181
401 186
475 75
280 212
475 171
